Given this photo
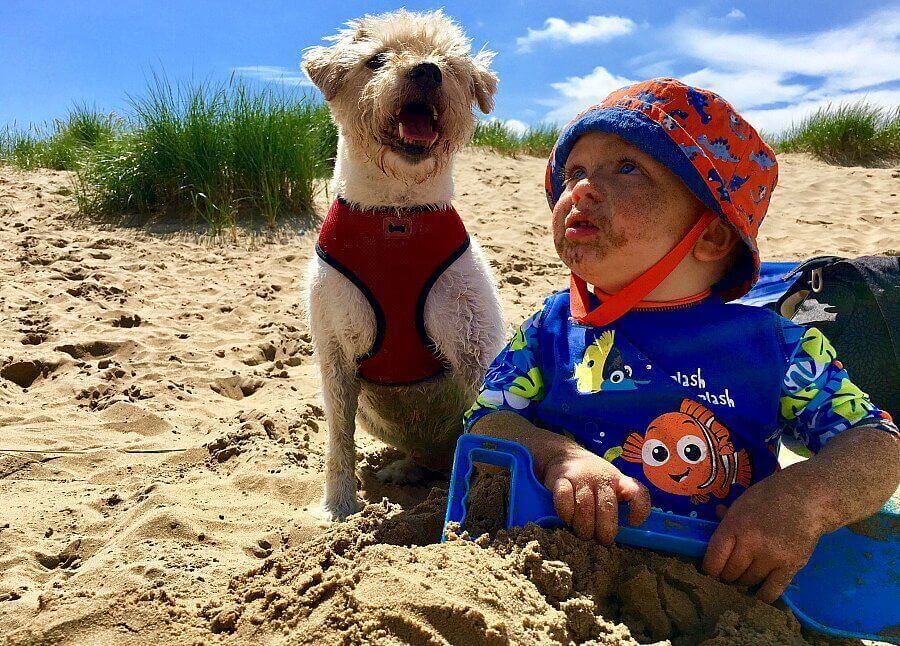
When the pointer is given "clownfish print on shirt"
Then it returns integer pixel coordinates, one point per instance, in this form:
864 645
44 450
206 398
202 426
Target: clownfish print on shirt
689 453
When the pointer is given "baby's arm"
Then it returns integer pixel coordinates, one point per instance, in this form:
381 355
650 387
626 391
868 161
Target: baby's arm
586 488
769 533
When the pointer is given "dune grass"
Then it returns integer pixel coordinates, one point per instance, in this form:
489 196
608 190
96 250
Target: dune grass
537 141
496 137
857 134
219 152
60 144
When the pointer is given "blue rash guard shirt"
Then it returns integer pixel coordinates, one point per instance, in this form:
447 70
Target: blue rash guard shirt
690 400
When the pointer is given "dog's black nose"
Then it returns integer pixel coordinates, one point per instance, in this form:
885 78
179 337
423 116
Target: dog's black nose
426 73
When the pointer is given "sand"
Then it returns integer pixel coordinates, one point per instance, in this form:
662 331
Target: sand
162 438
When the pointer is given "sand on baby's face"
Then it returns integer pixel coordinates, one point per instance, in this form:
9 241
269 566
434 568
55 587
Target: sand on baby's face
162 440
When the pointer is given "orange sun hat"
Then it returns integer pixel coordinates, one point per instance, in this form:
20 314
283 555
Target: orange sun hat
700 137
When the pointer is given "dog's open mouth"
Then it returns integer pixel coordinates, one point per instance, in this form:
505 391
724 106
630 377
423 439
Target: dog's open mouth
417 128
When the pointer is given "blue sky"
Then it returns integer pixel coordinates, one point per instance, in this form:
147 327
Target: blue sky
775 60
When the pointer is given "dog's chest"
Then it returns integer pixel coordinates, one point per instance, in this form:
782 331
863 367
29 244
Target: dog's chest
394 257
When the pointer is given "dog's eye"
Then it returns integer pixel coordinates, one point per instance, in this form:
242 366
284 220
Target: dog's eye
376 61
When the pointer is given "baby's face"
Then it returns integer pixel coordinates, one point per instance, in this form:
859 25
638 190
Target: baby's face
620 212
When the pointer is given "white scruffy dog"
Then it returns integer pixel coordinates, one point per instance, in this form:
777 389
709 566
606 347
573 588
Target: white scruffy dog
401 88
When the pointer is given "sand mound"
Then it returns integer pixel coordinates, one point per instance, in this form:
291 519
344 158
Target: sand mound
363 581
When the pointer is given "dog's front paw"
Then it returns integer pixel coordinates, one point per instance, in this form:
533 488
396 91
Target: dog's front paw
336 511
404 472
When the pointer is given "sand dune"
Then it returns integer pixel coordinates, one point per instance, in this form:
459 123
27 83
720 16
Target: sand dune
162 437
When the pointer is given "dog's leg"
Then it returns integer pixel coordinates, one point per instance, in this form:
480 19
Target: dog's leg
414 408
341 394
464 319
342 325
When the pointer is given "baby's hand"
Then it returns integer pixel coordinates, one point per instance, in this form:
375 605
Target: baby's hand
765 537
587 491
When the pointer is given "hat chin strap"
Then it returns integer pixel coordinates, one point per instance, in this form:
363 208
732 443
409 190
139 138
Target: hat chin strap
626 298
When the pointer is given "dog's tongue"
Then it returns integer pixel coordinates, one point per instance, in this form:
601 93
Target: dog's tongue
415 124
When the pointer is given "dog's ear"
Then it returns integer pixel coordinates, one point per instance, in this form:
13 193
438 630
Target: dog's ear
322 70
485 80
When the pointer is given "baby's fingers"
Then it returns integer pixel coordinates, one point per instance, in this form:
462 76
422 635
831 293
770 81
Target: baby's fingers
775 584
638 498
606 525
740 560
718 552
564 499
758 571
585 505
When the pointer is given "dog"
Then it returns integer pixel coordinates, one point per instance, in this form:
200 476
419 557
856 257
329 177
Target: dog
401 88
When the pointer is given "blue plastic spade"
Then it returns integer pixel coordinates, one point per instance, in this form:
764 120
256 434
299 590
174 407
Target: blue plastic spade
849 588
529 500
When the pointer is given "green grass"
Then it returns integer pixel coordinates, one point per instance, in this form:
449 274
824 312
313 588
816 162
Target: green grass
849 134
539 140
496 137
219 152
222 153
60 144
857 134
493 135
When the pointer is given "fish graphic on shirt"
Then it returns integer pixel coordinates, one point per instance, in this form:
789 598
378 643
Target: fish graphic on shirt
602 368
689 453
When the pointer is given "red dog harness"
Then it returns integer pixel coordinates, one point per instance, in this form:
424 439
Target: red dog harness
394 257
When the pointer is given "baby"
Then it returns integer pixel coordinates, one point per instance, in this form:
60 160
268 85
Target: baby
642 384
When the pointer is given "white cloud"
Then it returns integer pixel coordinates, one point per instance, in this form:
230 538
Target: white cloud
654 69
516 126
273 74
593 30
736 14
747 88
772 81
578 92
864 54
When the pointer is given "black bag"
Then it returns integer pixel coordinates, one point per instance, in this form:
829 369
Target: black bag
856 304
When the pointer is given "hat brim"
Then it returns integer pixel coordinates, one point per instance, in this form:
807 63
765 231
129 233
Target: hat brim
640 131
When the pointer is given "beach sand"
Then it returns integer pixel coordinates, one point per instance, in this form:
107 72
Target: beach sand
162 441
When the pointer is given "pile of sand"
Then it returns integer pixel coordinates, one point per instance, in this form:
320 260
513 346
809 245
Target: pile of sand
383 578
162 441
